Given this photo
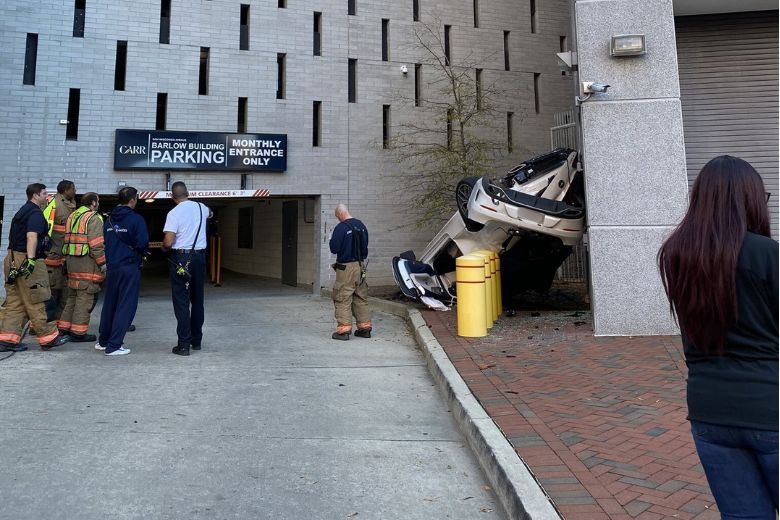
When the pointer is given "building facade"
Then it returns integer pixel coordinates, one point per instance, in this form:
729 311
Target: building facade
706 86
74 71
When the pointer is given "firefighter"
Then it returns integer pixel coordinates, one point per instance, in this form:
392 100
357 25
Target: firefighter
26 278
349 243
58 209
85 261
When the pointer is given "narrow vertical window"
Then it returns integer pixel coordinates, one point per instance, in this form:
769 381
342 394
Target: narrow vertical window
506 50
72 130
478 90
30 59
165 21
281 65
352 81
417 84
385 39
317 123
282 4
533 16
476 13
203 75
509 117
564 46
79 18
243 43
242 109
416 10
385 126
352 7
447 57
120 65
318 34
162 111
537 102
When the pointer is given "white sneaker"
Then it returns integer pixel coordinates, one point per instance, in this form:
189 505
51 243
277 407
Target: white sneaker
121 351
98 346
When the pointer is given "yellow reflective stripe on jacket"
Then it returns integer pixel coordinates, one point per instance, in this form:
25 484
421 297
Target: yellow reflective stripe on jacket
50 212
76 241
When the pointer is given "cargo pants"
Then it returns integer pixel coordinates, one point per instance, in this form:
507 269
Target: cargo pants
84 283
57 284
350 297
26 298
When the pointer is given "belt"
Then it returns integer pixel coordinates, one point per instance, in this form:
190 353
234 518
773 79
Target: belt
186 251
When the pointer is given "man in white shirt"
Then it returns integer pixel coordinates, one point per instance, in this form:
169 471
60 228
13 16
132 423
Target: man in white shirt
185 238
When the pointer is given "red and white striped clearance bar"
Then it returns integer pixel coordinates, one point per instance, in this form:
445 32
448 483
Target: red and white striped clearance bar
206 194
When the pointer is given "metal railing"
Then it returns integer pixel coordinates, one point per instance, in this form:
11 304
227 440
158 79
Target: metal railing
564 135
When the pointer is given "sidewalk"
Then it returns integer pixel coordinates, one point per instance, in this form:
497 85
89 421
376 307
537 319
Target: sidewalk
600 422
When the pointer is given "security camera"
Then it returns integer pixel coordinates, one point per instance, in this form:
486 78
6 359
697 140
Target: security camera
404 70
590 87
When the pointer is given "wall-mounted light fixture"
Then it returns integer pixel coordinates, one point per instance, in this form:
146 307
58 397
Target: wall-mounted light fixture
628 45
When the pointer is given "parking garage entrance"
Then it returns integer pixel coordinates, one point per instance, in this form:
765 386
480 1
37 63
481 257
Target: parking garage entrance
254 239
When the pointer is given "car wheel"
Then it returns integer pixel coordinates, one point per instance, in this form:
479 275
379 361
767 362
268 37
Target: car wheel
462 195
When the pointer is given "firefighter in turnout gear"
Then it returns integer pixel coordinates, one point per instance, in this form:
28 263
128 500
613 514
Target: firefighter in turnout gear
349 243
26 278
86 264
58 209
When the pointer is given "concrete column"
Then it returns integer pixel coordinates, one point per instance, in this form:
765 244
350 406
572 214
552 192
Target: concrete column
634 155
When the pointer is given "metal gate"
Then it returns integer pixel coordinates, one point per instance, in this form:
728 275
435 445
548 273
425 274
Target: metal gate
564 135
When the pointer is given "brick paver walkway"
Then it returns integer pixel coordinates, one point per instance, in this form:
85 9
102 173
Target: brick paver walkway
600 422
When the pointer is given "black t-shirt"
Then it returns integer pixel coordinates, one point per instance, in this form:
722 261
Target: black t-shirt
740 388
29 219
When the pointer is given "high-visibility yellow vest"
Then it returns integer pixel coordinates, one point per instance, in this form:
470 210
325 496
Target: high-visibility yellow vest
50 212
76 240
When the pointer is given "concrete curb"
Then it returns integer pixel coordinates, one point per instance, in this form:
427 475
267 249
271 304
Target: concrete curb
517 490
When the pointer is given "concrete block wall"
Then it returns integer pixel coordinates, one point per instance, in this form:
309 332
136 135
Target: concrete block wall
265 256
634 152
345 168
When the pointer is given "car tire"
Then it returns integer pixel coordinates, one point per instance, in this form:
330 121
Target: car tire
462 194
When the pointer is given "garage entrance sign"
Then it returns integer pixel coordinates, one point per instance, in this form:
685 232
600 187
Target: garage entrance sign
213 151
207 194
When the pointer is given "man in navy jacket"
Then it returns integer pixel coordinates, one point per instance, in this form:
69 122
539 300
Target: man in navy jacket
349 243
126 242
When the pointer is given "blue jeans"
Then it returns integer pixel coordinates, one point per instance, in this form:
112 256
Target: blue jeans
741 466
188 301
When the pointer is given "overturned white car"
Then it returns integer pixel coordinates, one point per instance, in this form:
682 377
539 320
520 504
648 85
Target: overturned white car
532 217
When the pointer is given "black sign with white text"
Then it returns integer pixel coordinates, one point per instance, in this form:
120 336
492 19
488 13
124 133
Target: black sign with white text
162 150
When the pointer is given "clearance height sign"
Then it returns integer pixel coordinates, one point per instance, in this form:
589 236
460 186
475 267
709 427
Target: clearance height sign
160 150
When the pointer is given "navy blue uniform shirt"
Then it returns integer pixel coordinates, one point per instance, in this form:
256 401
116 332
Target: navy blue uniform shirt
342 243
126 237
29 219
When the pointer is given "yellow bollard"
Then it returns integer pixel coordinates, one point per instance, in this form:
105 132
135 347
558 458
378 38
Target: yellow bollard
485 255
498 285
470 280
494 281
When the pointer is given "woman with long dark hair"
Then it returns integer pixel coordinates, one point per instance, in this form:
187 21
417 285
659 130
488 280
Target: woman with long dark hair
720 272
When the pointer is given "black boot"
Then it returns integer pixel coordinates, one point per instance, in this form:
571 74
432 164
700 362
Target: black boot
6 346
363 333
61 339
181 351
343 336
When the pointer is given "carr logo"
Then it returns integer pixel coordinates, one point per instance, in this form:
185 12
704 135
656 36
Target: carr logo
132 150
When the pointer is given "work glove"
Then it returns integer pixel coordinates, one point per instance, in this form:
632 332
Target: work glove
27 267
102 268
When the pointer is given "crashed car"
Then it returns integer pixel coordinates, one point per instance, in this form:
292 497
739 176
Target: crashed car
532 216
